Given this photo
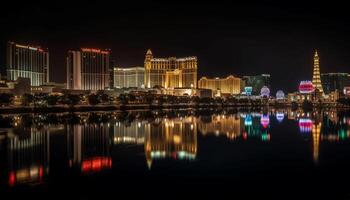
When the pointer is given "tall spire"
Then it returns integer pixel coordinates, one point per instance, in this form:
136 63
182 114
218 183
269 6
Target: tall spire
316 77
149 52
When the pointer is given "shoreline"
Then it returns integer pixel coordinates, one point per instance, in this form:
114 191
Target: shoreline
88 108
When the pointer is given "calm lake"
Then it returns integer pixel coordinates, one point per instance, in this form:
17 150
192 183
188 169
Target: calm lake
155 154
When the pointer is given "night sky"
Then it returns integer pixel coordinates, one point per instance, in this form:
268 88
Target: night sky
227 38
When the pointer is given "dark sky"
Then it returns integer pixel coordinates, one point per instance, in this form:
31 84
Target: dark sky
227 38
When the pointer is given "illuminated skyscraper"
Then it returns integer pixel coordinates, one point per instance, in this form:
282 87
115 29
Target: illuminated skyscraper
316 77
27 62
170 72
228 85
335 81
88 69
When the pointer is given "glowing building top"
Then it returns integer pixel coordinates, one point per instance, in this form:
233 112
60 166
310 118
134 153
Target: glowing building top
25 61
88 69
316 77
170 72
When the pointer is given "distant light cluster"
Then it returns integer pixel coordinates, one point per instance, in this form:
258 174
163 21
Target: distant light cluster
265 92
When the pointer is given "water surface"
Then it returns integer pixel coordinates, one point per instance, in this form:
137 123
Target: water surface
276 153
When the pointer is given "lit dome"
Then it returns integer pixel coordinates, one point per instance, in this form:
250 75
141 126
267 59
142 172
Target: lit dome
306 87
265 91
280 95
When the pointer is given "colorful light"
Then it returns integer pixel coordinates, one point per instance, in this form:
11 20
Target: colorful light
280 116
245 136
306 87
248 90
265 120
305 125
96 164
347 91
12 179
248 121
265 137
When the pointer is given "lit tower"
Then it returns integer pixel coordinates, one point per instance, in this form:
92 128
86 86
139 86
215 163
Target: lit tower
148 66
316 77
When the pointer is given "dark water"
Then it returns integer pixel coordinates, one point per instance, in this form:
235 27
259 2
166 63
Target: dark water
160 154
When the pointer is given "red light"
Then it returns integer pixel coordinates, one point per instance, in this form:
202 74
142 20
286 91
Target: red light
41 172
174 155
96 164
265 120
94 50
245 136
12 179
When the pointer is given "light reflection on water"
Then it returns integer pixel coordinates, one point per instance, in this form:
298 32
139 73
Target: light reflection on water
90 139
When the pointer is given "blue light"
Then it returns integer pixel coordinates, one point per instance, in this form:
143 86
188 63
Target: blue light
248 121
280 116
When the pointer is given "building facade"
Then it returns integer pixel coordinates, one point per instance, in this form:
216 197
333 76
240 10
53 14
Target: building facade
27 62
228 85
170 72
335 81
257 82
88 69
129 77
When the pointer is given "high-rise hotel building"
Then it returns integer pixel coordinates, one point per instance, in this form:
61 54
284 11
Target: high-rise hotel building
27 62
88 69
335 81
170 72
228 85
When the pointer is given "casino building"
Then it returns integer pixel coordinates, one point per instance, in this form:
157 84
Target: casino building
129 77
88 69
228 85
170 72
27 62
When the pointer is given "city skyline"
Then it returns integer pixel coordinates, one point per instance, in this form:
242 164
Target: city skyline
175 73
144 98
242 39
